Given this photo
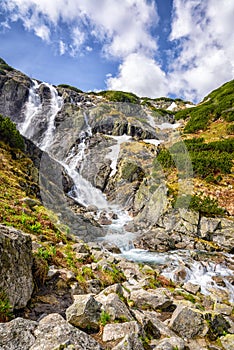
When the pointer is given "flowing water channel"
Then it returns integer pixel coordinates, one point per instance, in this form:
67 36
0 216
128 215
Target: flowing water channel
197 272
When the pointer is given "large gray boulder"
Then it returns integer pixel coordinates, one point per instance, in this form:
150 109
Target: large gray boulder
188 322
16 266
17 334
130 342
84 312
53 332
151 298
120 330
115 307
171 343
224 235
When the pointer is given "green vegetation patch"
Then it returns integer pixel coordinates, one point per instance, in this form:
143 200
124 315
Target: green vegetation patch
209 160
204 205
218 104
5 308
120 96
4 67
73 88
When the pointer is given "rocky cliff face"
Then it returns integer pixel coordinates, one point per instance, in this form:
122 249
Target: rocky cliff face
14 91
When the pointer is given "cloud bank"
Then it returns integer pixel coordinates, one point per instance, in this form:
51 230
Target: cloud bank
200 53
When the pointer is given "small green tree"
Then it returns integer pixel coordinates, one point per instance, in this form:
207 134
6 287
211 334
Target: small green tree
9 134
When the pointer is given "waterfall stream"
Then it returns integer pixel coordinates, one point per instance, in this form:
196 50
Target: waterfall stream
56 103
32 108
85 194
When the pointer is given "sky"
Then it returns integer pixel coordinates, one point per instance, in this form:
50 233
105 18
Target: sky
175 48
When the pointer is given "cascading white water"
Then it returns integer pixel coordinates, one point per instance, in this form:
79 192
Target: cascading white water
56 103
35 110
32 108
83 191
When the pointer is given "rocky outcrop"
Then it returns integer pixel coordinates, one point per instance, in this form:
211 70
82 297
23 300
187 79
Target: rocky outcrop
84 312
117 331
115 307
151 299
17 334
52 332
14 90
16 266
185 229
181 322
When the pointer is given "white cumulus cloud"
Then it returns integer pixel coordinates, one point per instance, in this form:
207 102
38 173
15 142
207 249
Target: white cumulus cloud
201 56
203 32
141 75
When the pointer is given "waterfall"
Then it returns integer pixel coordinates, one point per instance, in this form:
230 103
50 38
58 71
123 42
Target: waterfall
32 108
56 103
83 192
39 112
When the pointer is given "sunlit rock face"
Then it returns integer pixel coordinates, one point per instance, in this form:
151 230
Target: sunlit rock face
16 266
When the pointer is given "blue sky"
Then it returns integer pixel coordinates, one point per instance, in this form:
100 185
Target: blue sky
179 48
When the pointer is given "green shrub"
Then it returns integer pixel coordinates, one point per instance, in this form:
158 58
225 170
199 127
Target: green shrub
208 159
204 205
6 67
5 307
9 134
165 159
47 253
104 318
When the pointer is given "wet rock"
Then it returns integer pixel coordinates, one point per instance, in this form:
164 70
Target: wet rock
104 219
117 331
84 312
111 247
151 299
16 262
115 307
130 342
92 208
170 344
53 332
188 323
17 334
